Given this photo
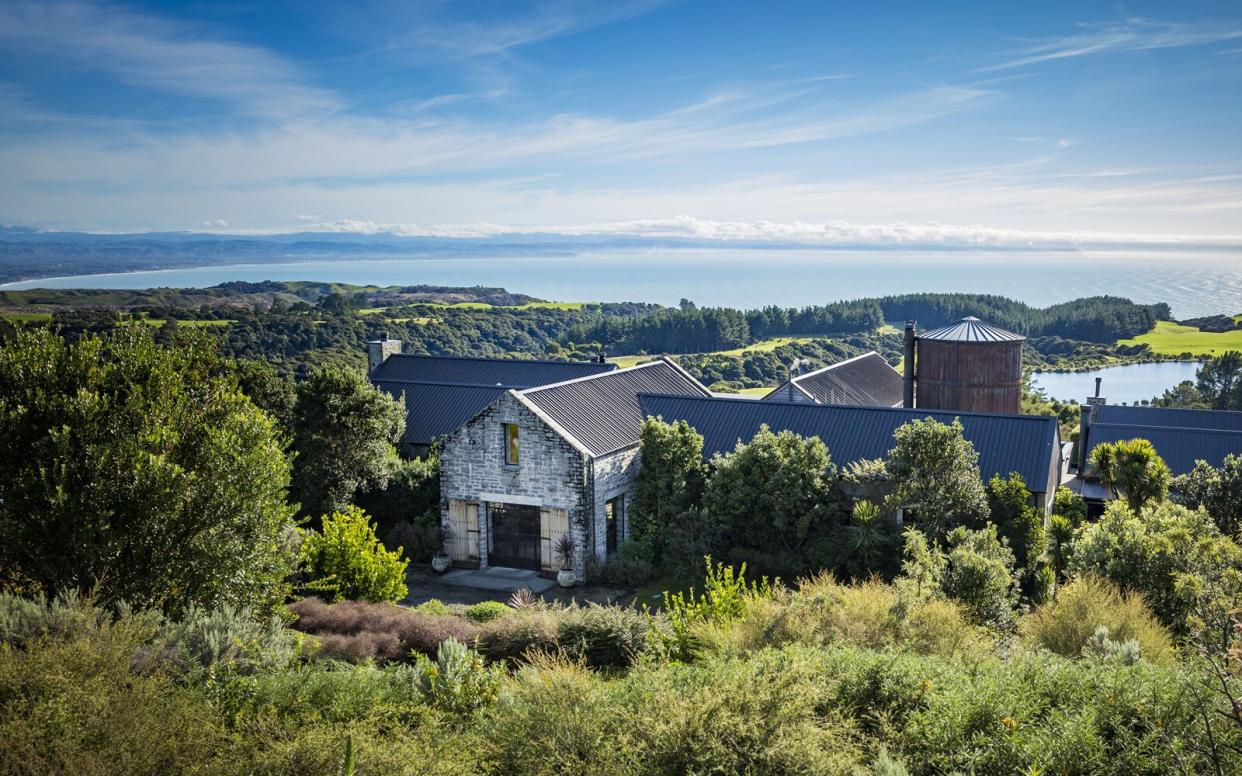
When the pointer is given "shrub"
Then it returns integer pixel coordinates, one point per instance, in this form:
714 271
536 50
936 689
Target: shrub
872 615
515 637
486 611
1066 624
356 631
434 607
629 568
457 681
725 597
1176 558
602 636
346 560
979 574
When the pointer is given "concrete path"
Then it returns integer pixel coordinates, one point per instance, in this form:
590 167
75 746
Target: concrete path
498 580
468 586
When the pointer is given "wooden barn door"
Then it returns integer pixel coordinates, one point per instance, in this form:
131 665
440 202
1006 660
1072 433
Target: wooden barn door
552 524
464 525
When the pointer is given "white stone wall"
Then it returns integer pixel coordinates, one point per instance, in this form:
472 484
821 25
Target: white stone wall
614 475
550 473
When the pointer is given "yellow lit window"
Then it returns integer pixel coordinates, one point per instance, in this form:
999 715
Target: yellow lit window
511 444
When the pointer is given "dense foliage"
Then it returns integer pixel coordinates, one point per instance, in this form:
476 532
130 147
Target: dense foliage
139 472
935 471
345 559
344 432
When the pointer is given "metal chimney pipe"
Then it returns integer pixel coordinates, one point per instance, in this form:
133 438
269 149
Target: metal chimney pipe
907 382
1098 380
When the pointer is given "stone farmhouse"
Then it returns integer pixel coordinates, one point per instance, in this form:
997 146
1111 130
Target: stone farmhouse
540 462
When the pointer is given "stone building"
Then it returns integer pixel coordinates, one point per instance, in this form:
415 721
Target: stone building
540 462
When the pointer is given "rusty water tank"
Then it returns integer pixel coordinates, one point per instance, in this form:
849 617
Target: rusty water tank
969 366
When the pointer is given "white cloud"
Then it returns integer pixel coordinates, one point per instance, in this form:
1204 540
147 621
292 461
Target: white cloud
1064 142
215 223
1134 34
798 233
156 53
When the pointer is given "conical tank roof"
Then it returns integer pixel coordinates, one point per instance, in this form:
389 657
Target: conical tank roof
971 329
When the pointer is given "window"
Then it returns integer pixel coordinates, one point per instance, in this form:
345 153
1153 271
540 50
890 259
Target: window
614 514
511 444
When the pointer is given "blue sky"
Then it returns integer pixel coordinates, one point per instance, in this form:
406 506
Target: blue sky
818 123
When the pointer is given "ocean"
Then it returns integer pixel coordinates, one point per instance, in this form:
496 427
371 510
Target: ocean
1194 285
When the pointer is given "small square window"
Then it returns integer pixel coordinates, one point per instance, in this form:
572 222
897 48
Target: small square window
512 450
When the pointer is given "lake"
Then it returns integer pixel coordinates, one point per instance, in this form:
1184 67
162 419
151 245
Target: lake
736 277
1122 384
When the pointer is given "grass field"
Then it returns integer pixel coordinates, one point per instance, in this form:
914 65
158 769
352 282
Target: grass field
159 322
27 317
625 362
1173 339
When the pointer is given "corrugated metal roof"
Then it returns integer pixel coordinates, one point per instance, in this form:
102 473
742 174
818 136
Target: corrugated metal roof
1179 447
971 329
1170 418
602 411
443 392
864 381
1006 443
435 409
461 370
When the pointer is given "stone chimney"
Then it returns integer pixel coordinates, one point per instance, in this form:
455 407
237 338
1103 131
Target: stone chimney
378 351
907 379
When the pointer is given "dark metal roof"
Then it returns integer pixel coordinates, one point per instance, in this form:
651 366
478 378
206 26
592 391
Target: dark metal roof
1179 447
461 370
434 409
1006 443
971 329
1170 418
602 412
865 381
443 392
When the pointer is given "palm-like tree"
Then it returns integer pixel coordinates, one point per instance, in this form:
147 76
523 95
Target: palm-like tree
1059 537
868 538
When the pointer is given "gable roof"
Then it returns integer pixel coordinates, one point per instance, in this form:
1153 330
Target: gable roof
443 392
971 329
1006 443
1166 417
865 381
601 412
464 370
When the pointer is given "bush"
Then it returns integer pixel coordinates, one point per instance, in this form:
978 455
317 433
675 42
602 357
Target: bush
979 575
602 636
872 615
630 567
486 611
458 682
513 638
434 607
346 560
1066 624
357 631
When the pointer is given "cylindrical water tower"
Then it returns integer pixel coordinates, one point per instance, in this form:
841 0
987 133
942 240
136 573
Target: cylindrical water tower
969 366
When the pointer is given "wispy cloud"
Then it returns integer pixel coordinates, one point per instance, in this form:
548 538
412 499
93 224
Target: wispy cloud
159 54
1134 34
434 32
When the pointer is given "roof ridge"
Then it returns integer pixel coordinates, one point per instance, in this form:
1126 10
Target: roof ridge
584 378
1186 429
842 363
502 360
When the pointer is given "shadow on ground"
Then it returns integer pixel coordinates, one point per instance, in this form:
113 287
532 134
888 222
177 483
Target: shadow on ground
467 586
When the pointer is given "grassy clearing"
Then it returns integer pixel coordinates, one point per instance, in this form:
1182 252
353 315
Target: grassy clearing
371 310
762 390
1173 339
625 362
159 322
765 346
527 306
27 317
